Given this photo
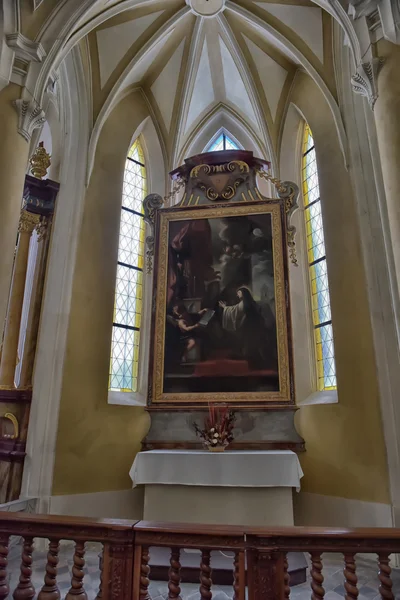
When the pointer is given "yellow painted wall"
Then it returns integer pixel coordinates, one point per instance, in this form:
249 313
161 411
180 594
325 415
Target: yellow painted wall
32 21
97 442
346 453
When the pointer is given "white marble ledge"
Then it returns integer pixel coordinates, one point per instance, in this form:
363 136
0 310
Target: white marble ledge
323 397
126 398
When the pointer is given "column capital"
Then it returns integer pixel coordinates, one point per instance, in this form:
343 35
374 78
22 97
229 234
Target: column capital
42 228
365 79
27 222
30 116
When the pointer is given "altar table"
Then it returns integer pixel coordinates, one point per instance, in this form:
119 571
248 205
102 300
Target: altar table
238 487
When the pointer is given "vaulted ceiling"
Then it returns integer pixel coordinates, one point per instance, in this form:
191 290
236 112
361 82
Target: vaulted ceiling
241 62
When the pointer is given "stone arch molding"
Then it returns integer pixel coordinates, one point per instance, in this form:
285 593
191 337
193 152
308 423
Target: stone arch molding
222 117
73 19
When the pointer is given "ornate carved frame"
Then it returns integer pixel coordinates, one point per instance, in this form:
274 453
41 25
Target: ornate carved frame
157 399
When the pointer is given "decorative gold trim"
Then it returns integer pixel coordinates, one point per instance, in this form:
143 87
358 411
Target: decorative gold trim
14 421
42 228
27 221
226 167
157 395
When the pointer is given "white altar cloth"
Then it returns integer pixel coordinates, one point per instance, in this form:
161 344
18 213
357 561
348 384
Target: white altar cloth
232 468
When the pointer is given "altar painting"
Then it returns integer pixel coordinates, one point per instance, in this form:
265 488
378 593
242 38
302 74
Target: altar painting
220 330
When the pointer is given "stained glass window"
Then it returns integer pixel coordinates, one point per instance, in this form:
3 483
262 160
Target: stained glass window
129 285
223 142
321 305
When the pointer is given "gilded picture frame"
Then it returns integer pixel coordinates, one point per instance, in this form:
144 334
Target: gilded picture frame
161 398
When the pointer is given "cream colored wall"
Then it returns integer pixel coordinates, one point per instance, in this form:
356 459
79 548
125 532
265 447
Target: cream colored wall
97 442
345 450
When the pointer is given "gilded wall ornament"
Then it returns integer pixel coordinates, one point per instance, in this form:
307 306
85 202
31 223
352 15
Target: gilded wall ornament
40 162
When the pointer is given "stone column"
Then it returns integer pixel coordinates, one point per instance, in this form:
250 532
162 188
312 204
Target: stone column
32 329
387 119
28 221
18 118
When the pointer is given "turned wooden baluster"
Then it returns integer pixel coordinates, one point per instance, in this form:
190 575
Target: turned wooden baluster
286 577
205 576
144 575
236 580
174 575
78 574
385 587
100 592
317 579
25 589
50 589
350 583
4 588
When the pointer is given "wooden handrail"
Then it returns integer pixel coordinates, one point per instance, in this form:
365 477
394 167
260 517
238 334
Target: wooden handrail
125 573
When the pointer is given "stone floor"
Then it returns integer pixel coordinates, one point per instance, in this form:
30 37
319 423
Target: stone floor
333 574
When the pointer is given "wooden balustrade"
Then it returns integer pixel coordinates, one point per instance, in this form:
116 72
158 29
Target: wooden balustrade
259 561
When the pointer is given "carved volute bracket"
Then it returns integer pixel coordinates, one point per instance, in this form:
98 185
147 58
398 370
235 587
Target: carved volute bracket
151 204
289 192
365 80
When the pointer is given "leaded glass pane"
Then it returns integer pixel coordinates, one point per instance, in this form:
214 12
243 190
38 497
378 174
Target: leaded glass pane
229 144
128 297
129 284
134 186
321 306
124 359
223 142
217 145
131 238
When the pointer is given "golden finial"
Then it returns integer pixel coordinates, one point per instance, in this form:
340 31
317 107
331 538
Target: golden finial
40 162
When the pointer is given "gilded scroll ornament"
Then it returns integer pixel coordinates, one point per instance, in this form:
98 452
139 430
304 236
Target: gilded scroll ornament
211 188
40 162
225 168
27 221
287 191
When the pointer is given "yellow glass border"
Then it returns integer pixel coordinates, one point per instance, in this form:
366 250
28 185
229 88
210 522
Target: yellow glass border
310 257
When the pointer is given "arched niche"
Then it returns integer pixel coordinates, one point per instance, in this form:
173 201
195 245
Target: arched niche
335 451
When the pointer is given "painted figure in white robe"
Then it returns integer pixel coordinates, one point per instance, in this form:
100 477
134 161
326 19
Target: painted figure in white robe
245 320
